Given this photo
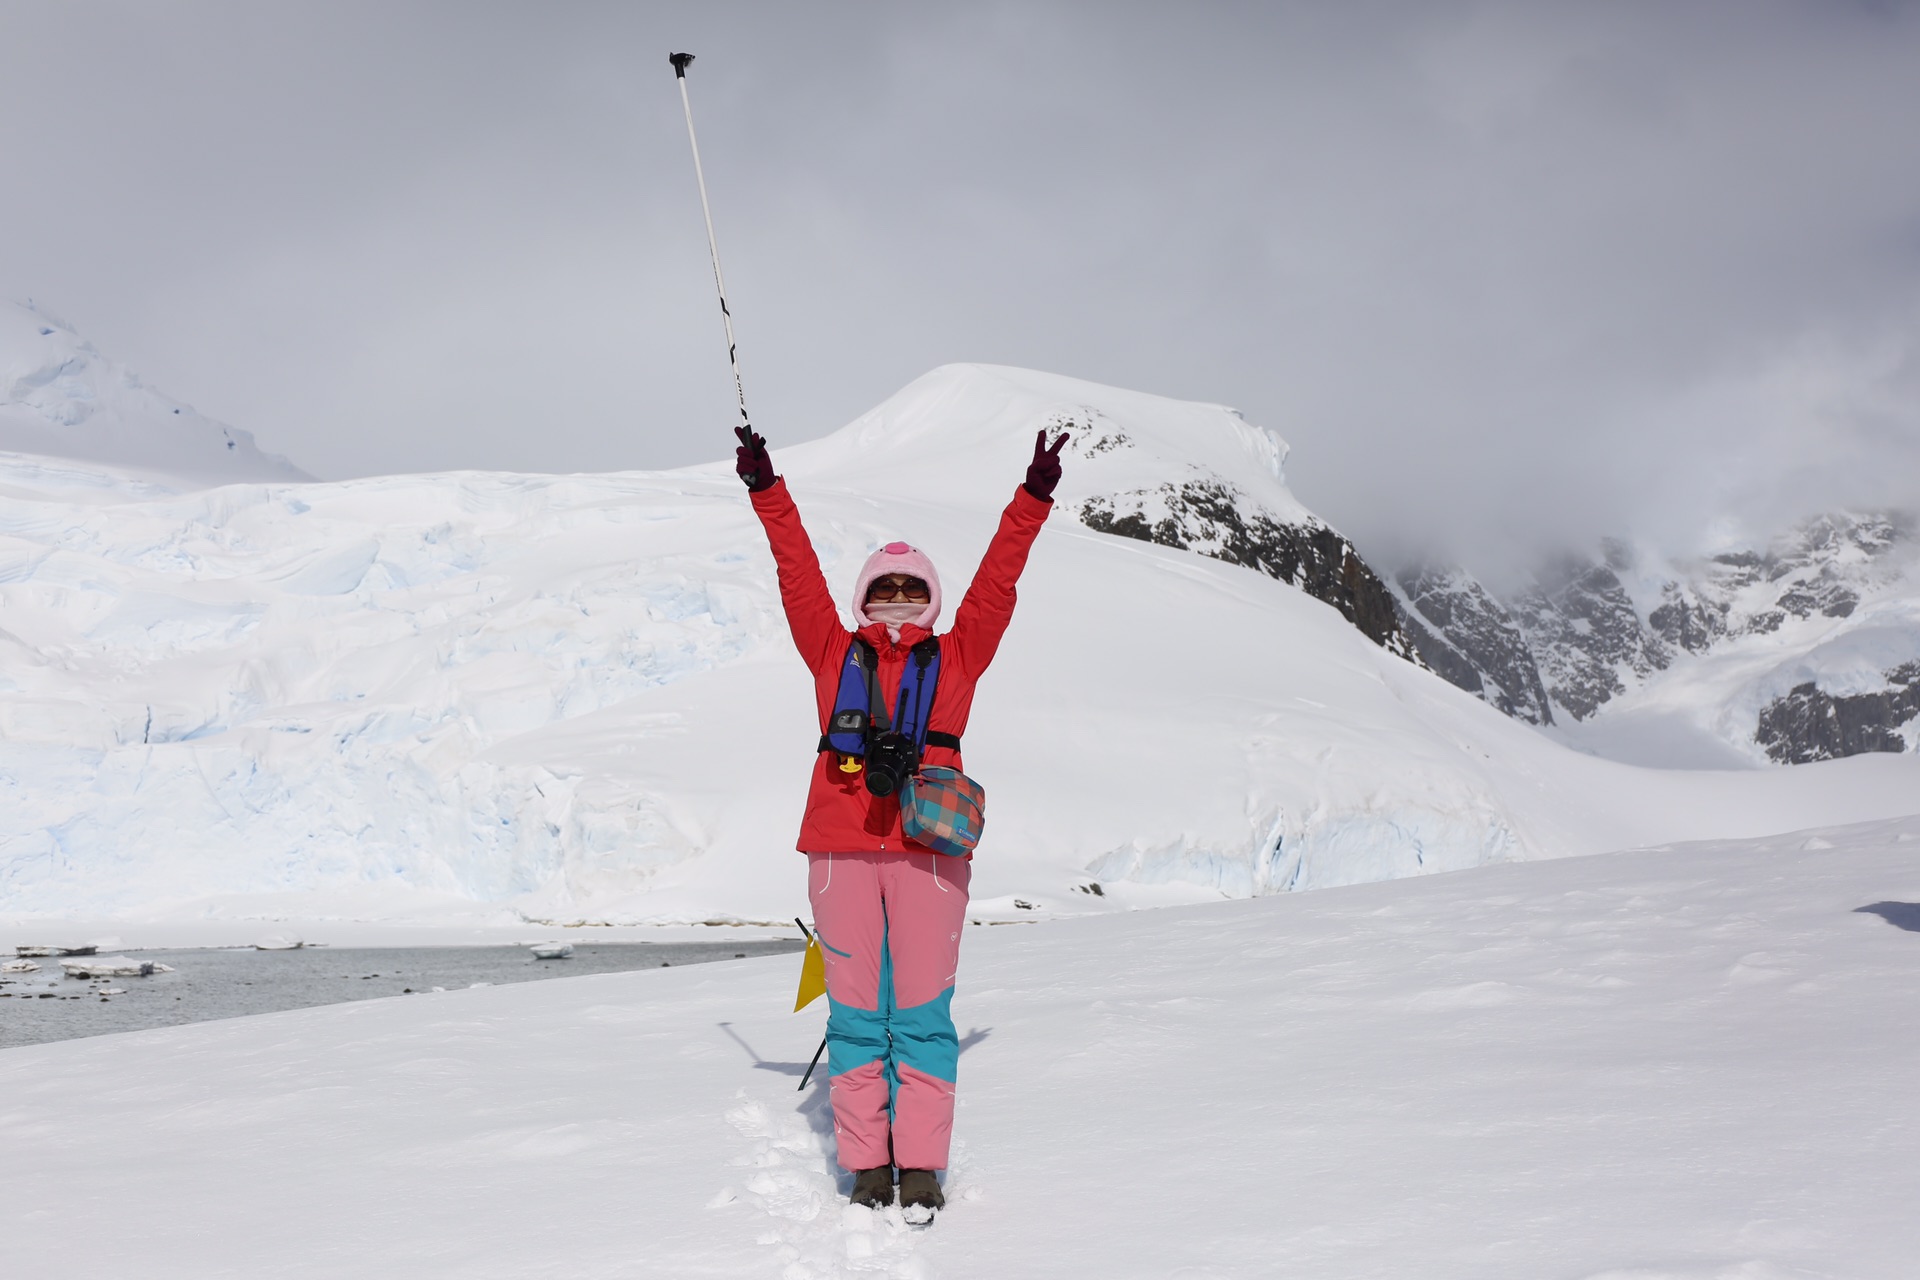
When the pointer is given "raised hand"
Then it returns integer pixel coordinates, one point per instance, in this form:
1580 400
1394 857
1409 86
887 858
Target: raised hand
753 464
1044 472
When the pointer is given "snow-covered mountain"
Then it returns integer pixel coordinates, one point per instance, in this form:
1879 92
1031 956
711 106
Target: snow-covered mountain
1195 477
60 398
1805 648
560 698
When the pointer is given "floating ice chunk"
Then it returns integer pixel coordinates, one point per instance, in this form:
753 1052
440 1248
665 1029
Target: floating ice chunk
37 949
108 967
551 950
20 966
278 942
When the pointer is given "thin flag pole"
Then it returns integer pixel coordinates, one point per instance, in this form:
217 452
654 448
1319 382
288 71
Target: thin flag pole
811 1065
823 1041
680 61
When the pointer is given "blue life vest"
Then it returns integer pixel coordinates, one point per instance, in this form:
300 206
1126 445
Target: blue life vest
860 714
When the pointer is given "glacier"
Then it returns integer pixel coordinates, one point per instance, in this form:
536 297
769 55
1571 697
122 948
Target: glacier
563 699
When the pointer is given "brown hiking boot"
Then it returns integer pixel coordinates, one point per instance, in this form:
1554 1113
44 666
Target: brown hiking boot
919 1189
873 1187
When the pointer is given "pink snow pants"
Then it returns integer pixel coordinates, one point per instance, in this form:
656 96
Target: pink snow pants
889 925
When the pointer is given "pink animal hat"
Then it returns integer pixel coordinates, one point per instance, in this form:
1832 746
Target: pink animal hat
898 557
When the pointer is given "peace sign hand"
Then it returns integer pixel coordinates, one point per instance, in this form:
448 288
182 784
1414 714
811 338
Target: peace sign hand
1044 472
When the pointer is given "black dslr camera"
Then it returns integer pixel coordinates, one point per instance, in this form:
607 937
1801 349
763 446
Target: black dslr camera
892 758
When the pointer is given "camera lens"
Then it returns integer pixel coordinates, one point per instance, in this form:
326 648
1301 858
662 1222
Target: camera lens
890 761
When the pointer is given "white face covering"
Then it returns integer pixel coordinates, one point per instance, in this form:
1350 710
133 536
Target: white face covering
896 613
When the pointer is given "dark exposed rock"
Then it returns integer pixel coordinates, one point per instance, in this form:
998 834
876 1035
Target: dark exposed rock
1810 724
1585 633
1214 519
1819 568
1835 601
1685 620
1447 662
1470 640
1591 644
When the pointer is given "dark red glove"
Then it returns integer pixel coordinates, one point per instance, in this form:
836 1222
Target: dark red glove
753 464
1044 473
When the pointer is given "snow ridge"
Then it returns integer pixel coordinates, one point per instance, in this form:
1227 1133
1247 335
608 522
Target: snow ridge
59 397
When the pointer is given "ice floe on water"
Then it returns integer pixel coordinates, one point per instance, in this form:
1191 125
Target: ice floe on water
110 967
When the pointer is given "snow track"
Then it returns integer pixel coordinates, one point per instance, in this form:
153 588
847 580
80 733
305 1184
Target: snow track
789 1175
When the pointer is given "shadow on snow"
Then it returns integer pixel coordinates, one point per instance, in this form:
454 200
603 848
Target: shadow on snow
1901 915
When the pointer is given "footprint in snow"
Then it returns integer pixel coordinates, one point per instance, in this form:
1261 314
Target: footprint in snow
787 1173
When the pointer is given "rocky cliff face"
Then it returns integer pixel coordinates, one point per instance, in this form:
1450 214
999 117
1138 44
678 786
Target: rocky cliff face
1216 519
1588 630
1469 638
1821 570
1811 724
1584 631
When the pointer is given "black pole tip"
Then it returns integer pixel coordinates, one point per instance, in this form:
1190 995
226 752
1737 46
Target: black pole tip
680 61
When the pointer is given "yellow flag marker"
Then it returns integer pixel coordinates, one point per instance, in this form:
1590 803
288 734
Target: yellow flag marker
813 976
813 985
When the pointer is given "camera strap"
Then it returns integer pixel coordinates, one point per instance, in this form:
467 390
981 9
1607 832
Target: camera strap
876 705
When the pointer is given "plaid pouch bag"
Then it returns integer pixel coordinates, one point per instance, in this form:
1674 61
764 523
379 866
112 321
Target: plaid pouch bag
944 810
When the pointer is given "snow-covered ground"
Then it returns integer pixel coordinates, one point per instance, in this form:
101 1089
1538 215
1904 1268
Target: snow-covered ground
478 701
1693 1063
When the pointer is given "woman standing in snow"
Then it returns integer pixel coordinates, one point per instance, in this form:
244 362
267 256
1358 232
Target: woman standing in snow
888 912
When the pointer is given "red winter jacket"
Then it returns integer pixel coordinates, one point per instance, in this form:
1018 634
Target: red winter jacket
842 817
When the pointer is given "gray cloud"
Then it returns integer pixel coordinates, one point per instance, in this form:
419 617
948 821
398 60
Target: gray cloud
1500 272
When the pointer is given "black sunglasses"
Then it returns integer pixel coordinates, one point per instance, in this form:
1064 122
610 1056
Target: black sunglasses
896 587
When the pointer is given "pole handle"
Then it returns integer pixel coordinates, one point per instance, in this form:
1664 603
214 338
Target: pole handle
680 61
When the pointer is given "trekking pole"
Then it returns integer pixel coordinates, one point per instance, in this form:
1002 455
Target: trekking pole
680 61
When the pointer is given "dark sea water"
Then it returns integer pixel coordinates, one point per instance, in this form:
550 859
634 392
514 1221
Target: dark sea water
229 982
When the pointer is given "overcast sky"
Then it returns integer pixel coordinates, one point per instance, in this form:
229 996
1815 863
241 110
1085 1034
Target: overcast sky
1498 272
